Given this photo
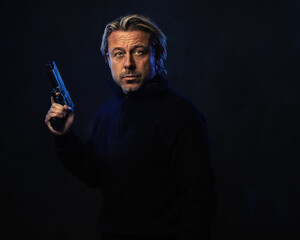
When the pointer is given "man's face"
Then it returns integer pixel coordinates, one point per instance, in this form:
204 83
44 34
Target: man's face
131 59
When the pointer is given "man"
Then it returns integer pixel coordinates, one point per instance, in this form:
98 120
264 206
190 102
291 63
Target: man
148 152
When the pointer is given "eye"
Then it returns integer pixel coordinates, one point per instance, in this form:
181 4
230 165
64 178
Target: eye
139 52
118 54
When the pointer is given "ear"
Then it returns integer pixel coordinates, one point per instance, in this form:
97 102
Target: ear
108 60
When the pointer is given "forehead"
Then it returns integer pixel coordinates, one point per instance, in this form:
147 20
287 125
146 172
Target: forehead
128 39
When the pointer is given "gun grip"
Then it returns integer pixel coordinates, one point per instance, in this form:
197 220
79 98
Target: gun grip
57 124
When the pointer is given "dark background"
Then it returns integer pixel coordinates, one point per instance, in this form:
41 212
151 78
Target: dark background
237 60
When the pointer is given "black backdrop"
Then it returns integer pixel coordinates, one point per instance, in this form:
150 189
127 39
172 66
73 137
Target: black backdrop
237 60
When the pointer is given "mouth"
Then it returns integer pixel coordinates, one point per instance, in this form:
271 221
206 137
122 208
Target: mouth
130 77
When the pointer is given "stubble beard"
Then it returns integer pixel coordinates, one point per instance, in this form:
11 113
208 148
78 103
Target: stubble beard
130 89
136 83
125 84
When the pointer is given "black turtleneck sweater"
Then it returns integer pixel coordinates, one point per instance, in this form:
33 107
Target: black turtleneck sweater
149 155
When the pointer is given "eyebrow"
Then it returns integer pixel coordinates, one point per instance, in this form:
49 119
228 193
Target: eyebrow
135 47
117 48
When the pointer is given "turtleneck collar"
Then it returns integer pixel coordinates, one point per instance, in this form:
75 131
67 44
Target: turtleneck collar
156 85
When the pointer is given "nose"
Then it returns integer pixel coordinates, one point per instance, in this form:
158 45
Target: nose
129 62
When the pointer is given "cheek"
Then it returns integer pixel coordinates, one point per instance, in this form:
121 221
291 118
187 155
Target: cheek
114 68
147 65
114 72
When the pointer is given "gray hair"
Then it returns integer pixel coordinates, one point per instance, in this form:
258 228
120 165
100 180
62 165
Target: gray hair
139 22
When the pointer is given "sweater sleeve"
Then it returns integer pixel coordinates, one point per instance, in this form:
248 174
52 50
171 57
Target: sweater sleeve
196 180
78 158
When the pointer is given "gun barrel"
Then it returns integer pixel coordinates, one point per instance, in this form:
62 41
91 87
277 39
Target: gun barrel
58 83
50 71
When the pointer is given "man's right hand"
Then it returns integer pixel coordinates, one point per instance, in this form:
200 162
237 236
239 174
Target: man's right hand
60 111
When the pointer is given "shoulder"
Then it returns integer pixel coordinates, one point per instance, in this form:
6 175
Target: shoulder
185 110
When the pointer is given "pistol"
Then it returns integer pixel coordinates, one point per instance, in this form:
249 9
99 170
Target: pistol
63 98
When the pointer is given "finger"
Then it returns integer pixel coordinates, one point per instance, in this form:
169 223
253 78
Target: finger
56 115
57 106
67 108
57 111
47 118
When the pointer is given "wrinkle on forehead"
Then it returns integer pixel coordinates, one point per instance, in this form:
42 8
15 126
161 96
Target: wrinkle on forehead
126 39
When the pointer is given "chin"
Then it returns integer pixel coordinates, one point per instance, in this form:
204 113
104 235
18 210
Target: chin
131 89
